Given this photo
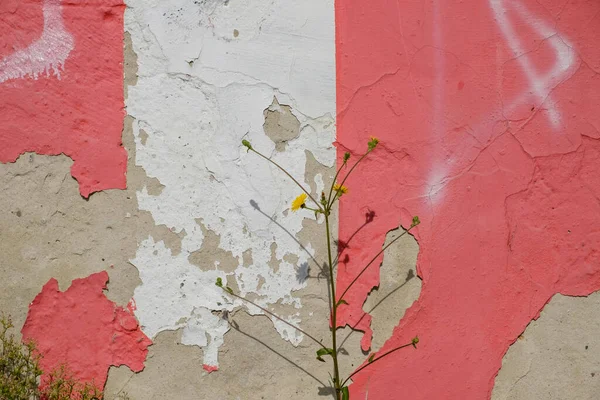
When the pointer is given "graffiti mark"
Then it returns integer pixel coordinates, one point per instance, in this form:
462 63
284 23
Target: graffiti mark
46 54
541 85
508 180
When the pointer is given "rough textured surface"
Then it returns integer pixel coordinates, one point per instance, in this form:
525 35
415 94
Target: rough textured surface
81 328
61 86
191 114
488 135
557 357
460 82
398 287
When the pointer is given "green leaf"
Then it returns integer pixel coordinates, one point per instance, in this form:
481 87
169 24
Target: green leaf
345 393
346 156
341 301
371 357
230 290
219 282
323 352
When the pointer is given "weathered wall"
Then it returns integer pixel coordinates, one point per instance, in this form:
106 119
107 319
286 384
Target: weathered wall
486 115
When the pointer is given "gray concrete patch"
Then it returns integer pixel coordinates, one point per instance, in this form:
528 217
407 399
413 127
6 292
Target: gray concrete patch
557 357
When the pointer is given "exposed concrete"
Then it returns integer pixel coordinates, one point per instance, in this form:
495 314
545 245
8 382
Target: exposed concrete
557 357
191 114
399 287
175 371
280 124
255 363
48 230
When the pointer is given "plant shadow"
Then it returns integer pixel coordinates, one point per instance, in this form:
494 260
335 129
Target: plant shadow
303 274
409 276
324 389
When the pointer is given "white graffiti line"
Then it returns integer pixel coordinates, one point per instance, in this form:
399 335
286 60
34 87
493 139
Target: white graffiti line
46 54
438 170
541 85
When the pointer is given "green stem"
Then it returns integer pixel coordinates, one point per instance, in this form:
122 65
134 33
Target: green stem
290 176
373 260
374 360
336 370
275 316
352 169
329 202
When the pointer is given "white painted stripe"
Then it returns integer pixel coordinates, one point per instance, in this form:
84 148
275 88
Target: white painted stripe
200 91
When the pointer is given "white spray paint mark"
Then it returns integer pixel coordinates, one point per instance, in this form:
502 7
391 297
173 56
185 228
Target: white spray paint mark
438 170
46 54
200 91
540 84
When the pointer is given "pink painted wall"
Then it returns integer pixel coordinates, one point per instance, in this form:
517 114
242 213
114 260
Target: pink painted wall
81 328
488 117
61 69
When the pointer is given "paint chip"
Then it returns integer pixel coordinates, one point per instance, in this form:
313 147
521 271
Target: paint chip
85 330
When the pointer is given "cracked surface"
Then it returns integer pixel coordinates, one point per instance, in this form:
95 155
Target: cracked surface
485 136
489 133
200 91
72 105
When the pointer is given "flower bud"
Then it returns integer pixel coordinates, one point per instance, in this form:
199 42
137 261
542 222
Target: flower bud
247 144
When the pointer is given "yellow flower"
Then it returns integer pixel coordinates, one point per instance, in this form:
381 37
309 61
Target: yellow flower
298 203
340 189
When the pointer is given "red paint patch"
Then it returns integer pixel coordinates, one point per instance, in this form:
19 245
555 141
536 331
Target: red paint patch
210 368
85 330
503 173
80 114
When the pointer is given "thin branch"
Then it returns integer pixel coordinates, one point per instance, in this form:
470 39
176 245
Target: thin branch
354 166
275 316
329 202
290 176
373 260
333 307
376 359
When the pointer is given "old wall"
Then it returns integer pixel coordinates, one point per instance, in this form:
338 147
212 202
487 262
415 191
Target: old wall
486 116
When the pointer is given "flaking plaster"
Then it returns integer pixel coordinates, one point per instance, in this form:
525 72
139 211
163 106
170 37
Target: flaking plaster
200 91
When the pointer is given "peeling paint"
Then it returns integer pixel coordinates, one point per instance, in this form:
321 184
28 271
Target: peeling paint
199 93
85 330
509 221
280 124
557 355
80 114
